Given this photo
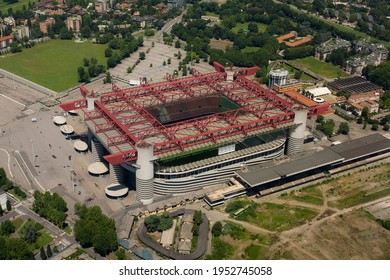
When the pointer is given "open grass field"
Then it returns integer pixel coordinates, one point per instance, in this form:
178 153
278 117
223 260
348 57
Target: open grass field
310 195
15 6
54 63
276 217
250 49
323 69
291 71
211 14
262 27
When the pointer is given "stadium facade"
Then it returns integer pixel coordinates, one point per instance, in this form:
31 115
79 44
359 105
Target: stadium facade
186 134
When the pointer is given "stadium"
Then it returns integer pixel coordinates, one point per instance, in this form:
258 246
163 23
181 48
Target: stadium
186 134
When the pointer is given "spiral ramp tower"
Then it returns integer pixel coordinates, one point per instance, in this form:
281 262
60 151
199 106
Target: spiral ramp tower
297 134
144 176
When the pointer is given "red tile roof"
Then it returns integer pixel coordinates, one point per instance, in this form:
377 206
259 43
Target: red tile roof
5 38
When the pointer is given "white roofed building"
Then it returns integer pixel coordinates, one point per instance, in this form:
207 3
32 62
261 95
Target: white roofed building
320 91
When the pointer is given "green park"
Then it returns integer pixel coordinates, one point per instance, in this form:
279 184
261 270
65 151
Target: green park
54 63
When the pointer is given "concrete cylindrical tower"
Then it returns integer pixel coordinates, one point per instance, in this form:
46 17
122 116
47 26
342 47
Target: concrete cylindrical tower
116 174
277 77
97 150
144 175
297 135
91 103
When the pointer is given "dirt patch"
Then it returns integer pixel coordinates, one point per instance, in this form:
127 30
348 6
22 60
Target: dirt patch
350 236
220 44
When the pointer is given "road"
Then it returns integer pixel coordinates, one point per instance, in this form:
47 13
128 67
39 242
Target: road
168 26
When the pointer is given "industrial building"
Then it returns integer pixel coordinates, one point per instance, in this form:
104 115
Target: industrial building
184 135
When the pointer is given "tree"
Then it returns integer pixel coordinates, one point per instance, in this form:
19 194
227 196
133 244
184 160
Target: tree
107 79
177 44
169 61
49 252
120 254
179 55
95 229
320 119
164 63
252 27
83 75
374 126
359 120
343 128
7 228
365 112
30 234
386 127
217 229
142 55
43 254
108 52
198 217
50 206
297 75
8 204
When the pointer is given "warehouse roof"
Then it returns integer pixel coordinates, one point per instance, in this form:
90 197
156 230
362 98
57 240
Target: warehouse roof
364 146
273 173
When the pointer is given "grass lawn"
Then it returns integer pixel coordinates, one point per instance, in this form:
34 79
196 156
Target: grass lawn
359 198
221 250
17 223
43 240
15 6
262 27
211 14
292 70
277 217
255 252
12 191
307 195
321 68
54 63
250 49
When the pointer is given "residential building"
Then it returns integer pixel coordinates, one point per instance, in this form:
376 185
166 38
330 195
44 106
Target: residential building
5 41
9 21
22 31
102 6
74 23
176 3
44 25
323 50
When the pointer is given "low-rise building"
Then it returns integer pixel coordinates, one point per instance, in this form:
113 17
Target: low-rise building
290 86
320 91
355 85
3 199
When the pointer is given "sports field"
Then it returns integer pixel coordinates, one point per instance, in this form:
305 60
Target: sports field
54 63
15 6
322 69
